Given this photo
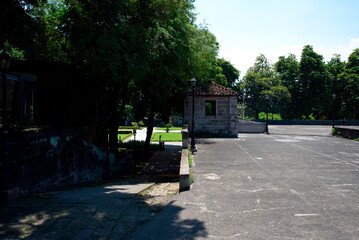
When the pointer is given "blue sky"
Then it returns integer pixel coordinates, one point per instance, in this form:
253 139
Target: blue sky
247 28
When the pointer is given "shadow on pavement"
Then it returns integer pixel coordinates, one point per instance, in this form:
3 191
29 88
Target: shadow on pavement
167 226
111 211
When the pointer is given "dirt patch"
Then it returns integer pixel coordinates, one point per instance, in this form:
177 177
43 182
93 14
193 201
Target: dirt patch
158 195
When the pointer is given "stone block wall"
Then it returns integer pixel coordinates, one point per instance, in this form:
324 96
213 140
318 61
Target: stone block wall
42 160
223 123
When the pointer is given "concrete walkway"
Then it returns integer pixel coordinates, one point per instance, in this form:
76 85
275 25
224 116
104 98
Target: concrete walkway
92 212
140 135
266 187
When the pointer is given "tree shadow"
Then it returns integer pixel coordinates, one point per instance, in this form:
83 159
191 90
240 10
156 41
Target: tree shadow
167 225
110 211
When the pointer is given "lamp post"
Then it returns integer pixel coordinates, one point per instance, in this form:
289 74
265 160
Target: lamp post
267 101
333 98
193 144
244 96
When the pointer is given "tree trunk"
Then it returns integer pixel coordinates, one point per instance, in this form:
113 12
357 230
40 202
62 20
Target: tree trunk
113 140
150 126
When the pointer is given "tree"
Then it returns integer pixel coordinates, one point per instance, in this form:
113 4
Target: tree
227 74
50 41
313 84
287 69
139 51
263 88
17 26
350 80
335 68
171 51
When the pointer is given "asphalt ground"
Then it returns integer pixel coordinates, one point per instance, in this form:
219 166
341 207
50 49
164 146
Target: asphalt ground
296 183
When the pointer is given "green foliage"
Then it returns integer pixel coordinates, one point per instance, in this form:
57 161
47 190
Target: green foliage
333 132
50 43
168 126
229 71
309 89
166 137
224 73
14 52
191 177
17 26
287 69
271 116
313 79
349 80
264 90
190 158
137 125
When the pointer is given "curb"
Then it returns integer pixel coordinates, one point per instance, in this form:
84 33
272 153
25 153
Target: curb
184 181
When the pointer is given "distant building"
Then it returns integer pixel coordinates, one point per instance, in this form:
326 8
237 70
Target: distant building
216 112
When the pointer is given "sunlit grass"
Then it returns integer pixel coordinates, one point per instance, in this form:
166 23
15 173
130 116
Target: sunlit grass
171 128
167 137
124 134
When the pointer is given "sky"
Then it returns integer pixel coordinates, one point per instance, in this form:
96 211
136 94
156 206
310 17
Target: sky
247 28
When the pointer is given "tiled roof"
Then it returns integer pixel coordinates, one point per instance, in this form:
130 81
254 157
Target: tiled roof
214 89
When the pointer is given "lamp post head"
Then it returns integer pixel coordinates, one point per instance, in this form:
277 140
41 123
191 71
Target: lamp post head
4 61
193 82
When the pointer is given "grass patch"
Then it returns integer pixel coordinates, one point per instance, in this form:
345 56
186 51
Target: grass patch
171 128
166 137
190 163
190 159
123 135
129 127
191 179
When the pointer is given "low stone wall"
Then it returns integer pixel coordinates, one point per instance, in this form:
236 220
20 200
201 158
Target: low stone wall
310 122
251 127
184 179
347 132
40 160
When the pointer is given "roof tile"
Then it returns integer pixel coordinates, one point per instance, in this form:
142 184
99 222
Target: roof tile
214 89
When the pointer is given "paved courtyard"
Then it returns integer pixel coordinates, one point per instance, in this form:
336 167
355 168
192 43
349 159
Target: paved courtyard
297 183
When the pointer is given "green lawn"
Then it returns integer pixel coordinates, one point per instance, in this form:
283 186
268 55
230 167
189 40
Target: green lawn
171 128
124 134
127 127
167 137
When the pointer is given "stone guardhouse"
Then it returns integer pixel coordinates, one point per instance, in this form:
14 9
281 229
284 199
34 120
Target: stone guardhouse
215 111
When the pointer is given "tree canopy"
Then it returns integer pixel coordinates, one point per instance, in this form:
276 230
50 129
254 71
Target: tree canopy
140 52
305 89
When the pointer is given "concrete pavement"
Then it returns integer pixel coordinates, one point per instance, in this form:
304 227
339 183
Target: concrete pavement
297 183
280 186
